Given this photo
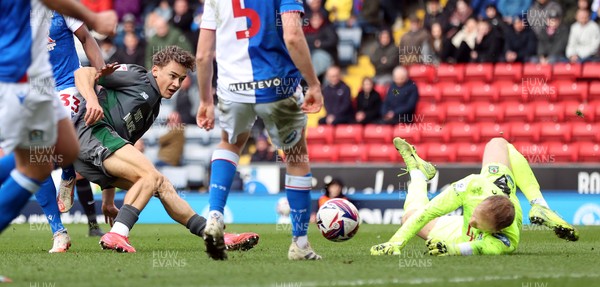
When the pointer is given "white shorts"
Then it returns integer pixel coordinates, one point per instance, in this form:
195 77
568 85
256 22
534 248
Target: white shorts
284 120
70 100
448 228
28 114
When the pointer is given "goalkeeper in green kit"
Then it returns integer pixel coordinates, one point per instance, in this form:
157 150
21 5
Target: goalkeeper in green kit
492 216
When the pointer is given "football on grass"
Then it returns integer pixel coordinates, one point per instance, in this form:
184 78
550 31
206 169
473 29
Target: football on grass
338 220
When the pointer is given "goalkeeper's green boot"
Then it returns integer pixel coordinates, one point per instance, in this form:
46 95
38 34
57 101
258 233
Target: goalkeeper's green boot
388 248
544 216
412 159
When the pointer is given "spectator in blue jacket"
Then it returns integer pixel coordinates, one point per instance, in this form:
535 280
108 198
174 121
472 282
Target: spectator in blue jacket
401 100
513 9
337 99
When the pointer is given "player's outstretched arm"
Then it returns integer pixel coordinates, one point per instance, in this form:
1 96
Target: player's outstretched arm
103 22
300 54
85 79
205 118
489 245
90 46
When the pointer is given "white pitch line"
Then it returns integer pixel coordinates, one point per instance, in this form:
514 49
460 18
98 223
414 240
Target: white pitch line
422 281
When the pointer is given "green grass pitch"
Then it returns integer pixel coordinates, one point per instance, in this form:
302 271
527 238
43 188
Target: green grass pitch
168 255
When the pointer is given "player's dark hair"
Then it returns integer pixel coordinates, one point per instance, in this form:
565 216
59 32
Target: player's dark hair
174 53
501 211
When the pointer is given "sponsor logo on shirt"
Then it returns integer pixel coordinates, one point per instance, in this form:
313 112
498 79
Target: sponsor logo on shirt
263 84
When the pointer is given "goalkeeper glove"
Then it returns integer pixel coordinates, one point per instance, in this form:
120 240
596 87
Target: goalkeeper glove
440 248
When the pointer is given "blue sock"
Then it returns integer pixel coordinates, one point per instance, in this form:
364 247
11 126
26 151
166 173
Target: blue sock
298 195
46 197
223 167
14 194
7 164
68 172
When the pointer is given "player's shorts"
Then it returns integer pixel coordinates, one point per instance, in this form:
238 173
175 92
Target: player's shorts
70 100
96 144
495 170
448 228
284 120
28 114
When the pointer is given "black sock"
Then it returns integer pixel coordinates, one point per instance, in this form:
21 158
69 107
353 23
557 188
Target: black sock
86 198
128 215
196 224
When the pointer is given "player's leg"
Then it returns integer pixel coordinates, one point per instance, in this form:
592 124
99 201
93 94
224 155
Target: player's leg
285 123
86 198
46 197
29 128
540 212
144 181
68 177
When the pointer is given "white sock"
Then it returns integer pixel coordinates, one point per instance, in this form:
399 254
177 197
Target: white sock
417 174
540 201
120 228
301 241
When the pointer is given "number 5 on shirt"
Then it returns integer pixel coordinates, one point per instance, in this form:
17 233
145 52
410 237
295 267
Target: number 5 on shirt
239 12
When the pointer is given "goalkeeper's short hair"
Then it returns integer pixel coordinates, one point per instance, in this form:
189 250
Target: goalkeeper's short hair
501 211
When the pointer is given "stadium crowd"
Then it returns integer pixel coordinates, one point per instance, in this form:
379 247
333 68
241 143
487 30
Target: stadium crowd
392 34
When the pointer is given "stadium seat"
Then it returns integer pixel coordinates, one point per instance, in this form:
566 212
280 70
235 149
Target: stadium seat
479 72
508 72
561 152
586 132
555 132
591 71
483 92
422 73
431 112
524 132
463 132
577 112
540 71
455 92
566 71
429 93
488 131
350 134
517 112
469 152
196 153
547 112
382 90
382 153
596 108
322 134
566 91
378 134
511 92
409 132
450 73
441 153
459 112
322 153
194 133
432 133
594 93
537 89
352 153
488 112
589 152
